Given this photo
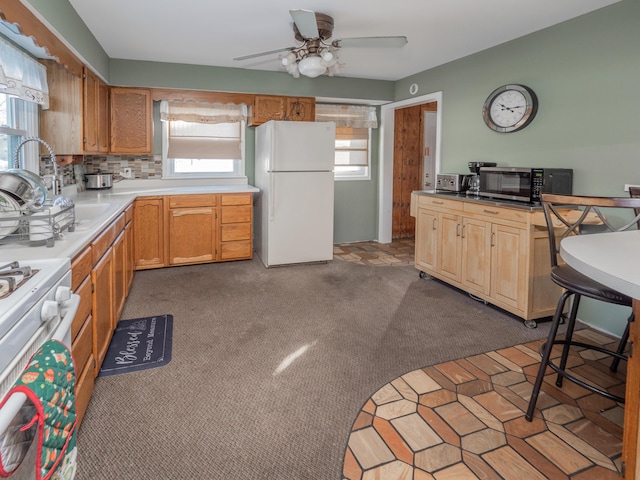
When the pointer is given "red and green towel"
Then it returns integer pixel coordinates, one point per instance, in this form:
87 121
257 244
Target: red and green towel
49 415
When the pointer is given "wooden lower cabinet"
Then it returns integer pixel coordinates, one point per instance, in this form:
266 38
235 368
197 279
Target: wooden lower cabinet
236 226
193 228
102 306
498 254
101 275
148 214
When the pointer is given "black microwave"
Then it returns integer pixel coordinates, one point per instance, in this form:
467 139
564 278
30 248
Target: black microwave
524 184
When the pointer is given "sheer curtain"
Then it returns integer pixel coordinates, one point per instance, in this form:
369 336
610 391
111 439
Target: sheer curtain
355 116
22 76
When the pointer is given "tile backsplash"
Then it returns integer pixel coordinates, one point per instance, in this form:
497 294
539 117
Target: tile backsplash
142 167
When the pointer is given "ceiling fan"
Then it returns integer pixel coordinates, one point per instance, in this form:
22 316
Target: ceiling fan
317 55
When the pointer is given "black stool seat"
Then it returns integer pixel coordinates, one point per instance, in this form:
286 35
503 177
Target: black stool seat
571 279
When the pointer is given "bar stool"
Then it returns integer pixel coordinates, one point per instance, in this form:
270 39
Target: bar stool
568 215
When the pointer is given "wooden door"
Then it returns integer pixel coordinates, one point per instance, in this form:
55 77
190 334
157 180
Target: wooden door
407 168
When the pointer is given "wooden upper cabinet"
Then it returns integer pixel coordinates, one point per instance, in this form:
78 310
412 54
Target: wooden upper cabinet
77 121
61 124
300 109
95 114
273 107
131 120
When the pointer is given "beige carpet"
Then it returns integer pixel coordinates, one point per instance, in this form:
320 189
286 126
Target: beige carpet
271 366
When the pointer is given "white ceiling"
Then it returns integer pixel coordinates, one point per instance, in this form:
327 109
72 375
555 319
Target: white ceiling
213 32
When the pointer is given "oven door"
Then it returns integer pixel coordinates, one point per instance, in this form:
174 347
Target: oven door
58 328
506 183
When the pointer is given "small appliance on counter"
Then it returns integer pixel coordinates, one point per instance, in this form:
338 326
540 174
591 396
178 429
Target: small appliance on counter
474 182
452 182
523 184
97 181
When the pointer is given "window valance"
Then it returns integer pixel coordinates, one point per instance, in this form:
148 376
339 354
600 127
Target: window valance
22 76
201 112
356 116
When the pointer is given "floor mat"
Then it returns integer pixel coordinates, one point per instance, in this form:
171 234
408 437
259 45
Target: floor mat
139 344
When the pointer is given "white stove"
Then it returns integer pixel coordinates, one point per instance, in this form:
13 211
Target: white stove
38 306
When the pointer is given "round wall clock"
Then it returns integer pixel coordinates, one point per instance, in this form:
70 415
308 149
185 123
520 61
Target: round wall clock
510 108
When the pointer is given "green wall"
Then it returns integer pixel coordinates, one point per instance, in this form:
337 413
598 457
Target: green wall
586 74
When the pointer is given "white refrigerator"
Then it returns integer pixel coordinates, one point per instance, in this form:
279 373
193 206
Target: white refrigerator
294 209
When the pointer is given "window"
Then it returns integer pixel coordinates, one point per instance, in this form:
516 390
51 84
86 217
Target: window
23 85
18 119
353 138
352 153
202 140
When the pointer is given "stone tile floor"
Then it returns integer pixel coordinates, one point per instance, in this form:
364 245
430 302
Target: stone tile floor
465 419
398 252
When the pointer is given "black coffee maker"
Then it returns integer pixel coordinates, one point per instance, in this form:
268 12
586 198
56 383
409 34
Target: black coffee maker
474 182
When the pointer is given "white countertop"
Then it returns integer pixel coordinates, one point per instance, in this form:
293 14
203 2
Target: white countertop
612 259
116 200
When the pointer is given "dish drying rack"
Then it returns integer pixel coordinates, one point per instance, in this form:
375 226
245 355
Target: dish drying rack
37 228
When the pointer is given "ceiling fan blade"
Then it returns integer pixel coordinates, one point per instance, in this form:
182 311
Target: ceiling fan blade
306 22
262 54
371 42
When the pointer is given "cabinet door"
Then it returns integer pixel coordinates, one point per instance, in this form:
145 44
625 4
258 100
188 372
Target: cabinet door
119 277
91 86
508 265
131 120
476 255
450 246
61 124
192 235
149 233
426 254
300 109
102 306
265 108
103 117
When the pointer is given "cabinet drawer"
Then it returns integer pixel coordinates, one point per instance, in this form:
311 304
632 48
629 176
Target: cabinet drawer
437 202
239 214
84 388
84 309
235 199
80 267
235 231
203 200
82 346
235 250
512 214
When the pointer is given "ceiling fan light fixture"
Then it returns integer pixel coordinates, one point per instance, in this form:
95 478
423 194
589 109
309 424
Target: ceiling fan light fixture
312 66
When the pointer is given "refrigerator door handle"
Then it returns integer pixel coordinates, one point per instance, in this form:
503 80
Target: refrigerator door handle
272 203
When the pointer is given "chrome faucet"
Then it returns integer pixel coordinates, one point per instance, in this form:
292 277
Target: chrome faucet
56 185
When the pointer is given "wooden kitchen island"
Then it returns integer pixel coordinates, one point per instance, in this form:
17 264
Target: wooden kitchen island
613 259
497 251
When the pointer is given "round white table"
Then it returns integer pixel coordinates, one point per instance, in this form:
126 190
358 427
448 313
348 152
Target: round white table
613 259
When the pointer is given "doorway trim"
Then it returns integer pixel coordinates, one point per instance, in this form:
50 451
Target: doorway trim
385 170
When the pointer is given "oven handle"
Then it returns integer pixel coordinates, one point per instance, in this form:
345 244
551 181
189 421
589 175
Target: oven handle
16 401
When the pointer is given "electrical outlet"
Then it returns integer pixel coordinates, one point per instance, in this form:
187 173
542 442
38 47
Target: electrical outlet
126 172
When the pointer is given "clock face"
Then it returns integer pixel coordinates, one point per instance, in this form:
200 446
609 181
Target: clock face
509 108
